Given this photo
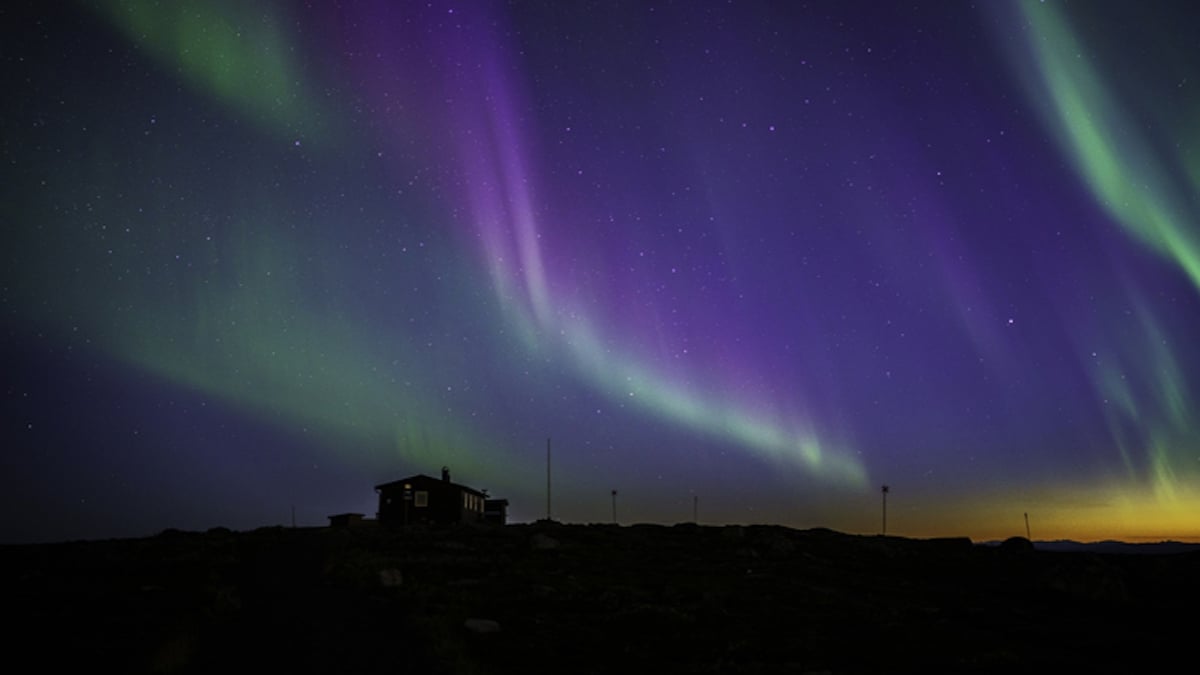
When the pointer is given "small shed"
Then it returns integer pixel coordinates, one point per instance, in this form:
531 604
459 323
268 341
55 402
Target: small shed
495 511
346 520
422 499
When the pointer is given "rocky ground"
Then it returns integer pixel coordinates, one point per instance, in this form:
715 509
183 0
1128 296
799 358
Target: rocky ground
579 599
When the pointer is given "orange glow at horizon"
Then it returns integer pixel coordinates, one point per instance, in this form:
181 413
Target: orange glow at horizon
1080 513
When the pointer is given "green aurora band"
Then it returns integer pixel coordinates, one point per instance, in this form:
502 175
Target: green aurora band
234 51
1124 166
1132 176
237 346
249 333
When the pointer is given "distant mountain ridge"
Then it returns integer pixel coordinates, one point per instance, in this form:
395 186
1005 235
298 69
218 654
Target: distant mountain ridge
1112 546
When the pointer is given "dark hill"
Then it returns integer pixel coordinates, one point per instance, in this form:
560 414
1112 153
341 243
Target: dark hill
558 598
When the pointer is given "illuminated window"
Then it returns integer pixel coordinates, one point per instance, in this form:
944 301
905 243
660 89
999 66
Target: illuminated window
421 498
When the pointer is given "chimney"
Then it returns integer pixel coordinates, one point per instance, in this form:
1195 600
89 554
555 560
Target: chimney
446 473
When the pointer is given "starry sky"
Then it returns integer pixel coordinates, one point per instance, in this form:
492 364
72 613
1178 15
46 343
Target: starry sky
756 258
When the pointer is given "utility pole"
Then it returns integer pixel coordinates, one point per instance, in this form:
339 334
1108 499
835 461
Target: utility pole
547 479
614 504
1027 536
884 490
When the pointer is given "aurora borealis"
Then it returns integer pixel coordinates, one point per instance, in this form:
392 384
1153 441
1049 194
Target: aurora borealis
769 255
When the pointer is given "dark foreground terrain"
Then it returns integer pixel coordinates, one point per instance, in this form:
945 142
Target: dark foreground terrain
590 599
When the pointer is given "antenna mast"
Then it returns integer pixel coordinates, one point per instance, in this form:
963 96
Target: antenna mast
885 490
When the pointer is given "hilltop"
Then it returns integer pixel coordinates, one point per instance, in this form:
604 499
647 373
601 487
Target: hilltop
548 597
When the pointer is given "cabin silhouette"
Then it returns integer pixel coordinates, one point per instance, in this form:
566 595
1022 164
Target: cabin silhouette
424 500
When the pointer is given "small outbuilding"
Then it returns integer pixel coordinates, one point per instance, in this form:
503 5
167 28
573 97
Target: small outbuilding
422 499
346 520
495 511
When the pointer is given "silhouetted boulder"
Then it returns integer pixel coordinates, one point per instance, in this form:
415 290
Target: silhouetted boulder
1016 545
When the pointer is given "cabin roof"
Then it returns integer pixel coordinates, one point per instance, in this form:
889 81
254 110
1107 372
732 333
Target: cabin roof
422 478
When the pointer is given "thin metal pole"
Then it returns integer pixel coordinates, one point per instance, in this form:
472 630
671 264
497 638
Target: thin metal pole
1027 535
884 490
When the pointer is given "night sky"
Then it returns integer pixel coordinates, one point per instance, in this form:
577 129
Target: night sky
770 256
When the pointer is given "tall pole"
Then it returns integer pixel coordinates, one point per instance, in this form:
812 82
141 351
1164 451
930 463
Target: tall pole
547 479
614 502
884 490
1027 536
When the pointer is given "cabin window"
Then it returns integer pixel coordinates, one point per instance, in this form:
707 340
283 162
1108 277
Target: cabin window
421 498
